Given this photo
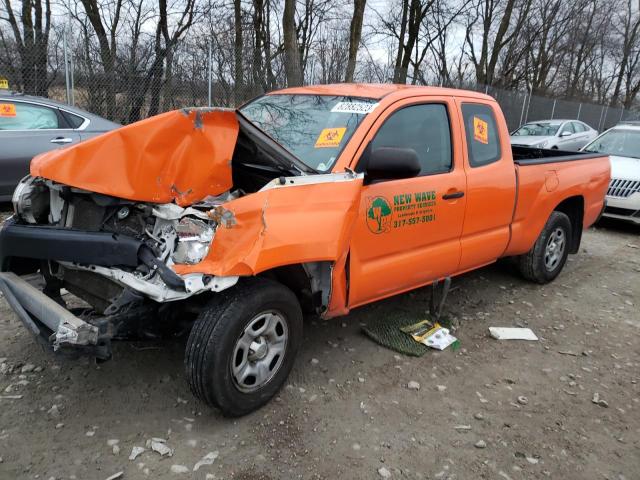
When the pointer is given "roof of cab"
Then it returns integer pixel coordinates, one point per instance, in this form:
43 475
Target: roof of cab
378 90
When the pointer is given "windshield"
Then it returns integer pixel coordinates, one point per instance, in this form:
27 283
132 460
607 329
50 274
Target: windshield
537 129
620 142
314 128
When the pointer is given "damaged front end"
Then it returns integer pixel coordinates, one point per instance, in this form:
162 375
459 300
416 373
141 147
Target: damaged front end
115 255
137 223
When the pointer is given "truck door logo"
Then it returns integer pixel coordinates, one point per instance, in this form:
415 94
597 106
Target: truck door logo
378 215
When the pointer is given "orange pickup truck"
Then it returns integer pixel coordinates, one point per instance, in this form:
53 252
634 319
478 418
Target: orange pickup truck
315 199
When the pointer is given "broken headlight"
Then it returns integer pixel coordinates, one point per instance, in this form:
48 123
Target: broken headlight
31 200
193 239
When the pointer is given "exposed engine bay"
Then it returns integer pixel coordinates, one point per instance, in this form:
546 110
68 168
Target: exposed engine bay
161 235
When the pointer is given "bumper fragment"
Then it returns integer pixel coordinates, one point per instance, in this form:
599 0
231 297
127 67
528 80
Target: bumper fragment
50 321
47 243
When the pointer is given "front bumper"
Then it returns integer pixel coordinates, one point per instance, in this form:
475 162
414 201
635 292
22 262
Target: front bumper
626 209
51 323
48 243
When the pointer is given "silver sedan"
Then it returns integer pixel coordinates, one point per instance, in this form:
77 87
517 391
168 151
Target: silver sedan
554 134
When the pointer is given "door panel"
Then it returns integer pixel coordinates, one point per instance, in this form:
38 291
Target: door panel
491 186
19 147
27 129
406 235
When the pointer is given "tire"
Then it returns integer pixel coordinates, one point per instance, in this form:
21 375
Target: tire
225 347
544 261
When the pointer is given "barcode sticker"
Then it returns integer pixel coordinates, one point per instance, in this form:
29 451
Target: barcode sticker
361 108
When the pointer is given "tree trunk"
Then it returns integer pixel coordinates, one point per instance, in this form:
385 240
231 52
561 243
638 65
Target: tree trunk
355 32
292 65
403 27
238 80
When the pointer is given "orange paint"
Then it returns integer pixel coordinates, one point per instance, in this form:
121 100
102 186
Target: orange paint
180 156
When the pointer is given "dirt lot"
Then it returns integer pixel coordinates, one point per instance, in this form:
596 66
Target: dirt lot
504 410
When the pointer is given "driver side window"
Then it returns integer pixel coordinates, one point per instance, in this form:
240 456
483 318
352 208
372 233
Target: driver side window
423 128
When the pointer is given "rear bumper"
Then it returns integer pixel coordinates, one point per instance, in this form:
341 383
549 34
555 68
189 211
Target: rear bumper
50 322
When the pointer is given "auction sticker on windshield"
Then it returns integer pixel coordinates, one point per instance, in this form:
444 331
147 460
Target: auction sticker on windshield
7 110
361 108
480 130
330 137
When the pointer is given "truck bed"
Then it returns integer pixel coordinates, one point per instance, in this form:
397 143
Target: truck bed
537 156
550 180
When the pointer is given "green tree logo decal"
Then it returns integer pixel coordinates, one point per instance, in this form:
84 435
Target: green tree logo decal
379 215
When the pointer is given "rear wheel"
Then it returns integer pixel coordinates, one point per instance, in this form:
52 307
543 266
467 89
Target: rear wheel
547 257
243 345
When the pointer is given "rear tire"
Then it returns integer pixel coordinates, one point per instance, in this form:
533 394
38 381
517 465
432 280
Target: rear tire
243 345
547 257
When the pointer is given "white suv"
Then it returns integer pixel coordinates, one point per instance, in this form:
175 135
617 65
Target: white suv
622 143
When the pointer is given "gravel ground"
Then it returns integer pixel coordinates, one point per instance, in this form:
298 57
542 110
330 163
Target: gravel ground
567 406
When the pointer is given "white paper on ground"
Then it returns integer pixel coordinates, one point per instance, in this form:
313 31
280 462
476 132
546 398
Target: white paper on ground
505 333
439 339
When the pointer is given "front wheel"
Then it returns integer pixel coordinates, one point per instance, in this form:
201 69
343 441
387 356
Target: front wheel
547 257
243 345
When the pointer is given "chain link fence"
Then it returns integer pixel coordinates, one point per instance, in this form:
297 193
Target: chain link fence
522 107
192 77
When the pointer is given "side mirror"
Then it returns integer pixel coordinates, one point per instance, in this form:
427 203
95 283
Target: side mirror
388 163
565 134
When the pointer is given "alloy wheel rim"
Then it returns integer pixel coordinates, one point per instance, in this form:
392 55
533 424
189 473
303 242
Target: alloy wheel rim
259 351
554 250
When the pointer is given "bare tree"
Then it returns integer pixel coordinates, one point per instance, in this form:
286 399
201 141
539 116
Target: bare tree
31 37
628 22
293 66
493 42
107 39
355 32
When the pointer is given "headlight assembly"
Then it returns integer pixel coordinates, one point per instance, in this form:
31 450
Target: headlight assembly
193 239
31 200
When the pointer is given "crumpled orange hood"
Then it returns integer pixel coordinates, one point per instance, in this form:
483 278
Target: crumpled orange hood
180 156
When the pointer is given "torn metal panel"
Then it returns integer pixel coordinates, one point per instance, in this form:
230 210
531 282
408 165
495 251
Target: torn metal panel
180 156
290 224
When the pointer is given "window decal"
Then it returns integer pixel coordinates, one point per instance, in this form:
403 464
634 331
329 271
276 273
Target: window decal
330 137
480 130
7 110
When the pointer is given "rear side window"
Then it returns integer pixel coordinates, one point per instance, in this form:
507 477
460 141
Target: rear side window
425 129
25 116
483 142
74 121
579 127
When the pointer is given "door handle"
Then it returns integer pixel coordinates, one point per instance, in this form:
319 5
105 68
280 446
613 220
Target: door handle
62 140
453 195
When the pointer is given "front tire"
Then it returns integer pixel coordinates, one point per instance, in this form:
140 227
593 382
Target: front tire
547 257
243 345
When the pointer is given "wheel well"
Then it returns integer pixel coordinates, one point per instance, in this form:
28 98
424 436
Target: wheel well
573 207
311 283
